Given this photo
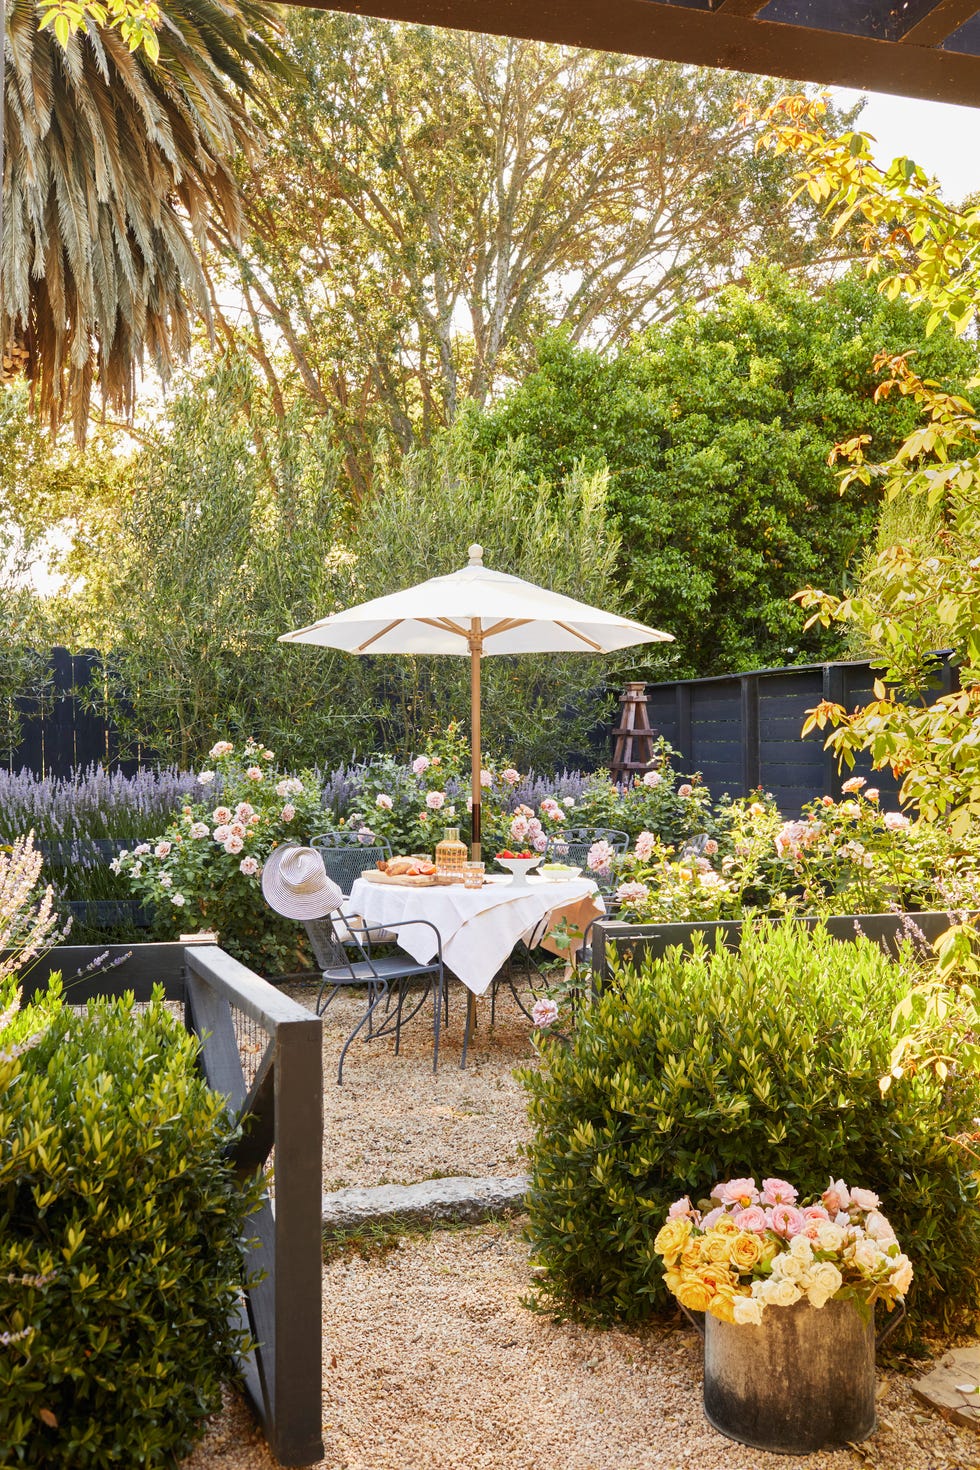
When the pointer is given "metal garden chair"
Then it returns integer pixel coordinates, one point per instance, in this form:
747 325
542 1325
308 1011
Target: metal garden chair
386 978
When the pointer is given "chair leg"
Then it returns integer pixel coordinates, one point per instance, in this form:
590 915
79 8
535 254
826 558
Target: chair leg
439 983
382 990
398 1016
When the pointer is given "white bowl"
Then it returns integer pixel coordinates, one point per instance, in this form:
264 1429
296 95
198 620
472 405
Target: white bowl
520 867
561 876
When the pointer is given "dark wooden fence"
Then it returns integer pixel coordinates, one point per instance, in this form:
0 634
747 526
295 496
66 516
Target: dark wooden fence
57 733
742 731
263 1052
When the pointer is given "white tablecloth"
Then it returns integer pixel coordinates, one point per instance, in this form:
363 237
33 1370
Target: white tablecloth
478 926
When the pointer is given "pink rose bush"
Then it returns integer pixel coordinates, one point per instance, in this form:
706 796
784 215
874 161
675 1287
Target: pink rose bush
758 1249
204 871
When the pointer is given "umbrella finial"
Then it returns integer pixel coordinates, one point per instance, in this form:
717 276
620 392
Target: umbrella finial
476 555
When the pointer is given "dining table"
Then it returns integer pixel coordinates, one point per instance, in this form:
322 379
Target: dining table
479 927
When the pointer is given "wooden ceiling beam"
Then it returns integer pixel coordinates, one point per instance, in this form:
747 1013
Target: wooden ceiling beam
943 19
704 38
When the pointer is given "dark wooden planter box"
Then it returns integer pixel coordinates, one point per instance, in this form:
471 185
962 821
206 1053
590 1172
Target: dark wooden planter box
142 967
633 942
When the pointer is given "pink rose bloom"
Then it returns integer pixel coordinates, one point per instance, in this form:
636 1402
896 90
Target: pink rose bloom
243 811
778 1192
644 846
600 857
849 809
827 800
384 802
813 1217
486 778
288 812
222 832
254 819
283 788
540 842
421 764
836 1197
221 815
237 829
544 1012
223 747
895 821
254 773
879 1228
713 1216
436 760
569 802
736 1192
853 784
864 1199
268 755
787 1220
161 849
200 829
754 1219
518 828
652 778
631 892
710 847
249 867
510 776
872 794
234 844
682 1208
686 790
435 800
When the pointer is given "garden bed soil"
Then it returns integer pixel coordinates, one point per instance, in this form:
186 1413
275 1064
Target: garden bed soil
432 1362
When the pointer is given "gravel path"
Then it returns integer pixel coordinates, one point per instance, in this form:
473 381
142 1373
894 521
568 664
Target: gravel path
432 1363
431 1360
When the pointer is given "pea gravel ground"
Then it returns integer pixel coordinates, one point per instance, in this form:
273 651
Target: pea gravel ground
431 1359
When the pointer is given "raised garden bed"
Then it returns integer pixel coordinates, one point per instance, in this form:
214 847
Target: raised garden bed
634 942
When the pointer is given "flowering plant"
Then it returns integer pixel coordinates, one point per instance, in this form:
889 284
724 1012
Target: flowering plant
757 1248
203 872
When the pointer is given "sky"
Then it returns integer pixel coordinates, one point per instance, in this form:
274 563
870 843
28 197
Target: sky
944 139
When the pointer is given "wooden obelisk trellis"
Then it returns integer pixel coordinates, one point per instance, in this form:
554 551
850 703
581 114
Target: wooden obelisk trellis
634 735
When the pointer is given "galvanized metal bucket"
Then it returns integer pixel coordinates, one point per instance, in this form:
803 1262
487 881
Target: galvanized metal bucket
804 1380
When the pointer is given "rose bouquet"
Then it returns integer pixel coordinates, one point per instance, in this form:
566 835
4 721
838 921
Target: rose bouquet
758 1248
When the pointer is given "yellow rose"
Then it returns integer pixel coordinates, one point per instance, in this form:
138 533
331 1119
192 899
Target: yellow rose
672 1237
694 1295
691 1254
745 1251
715 1247
722 1305
726 1225
674 1279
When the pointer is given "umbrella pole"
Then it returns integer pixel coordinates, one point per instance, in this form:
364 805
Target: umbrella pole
476 760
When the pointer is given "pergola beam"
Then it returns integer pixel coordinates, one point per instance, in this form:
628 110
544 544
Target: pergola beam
721 37
943 19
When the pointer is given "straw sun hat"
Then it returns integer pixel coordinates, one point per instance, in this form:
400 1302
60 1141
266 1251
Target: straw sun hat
295 884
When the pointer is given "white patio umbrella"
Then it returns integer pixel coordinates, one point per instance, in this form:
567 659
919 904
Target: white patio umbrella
475 611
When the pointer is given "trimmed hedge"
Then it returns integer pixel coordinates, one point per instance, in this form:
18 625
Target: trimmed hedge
715 1064
120 1229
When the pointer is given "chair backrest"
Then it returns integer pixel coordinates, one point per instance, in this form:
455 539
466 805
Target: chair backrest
694 846
328 951
572 845
345 857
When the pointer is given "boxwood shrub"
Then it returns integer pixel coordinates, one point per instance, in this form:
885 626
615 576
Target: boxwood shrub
711 1065
120 1223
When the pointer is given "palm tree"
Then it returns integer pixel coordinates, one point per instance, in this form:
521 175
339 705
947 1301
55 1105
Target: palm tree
115 170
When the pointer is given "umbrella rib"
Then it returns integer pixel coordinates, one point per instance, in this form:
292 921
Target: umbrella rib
446 624
375 636
505 625
576 634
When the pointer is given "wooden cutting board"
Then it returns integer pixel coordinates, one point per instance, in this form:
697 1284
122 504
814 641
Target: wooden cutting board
405 880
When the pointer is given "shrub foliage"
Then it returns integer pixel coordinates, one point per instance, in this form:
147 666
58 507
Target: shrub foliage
713 1065
120 1223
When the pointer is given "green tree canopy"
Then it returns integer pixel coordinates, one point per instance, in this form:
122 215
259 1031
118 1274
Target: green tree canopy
716 430
430 201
